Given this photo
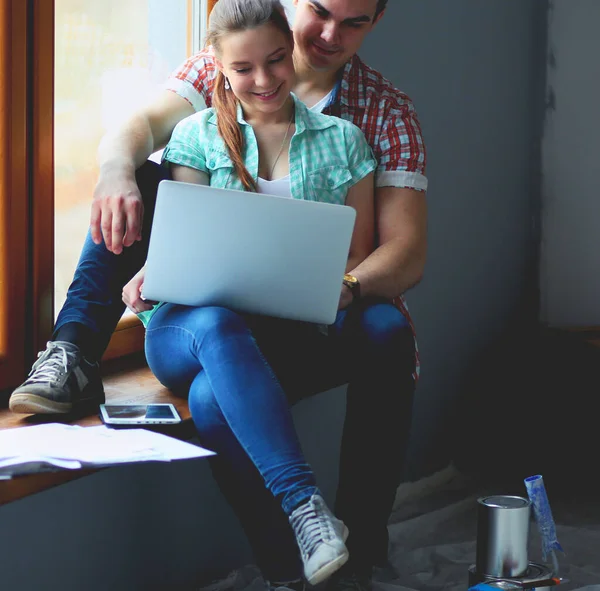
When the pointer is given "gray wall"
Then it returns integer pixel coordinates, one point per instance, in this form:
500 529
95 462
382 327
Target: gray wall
475 72
472 69
569 278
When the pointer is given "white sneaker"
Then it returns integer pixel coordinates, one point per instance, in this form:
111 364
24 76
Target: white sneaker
321 538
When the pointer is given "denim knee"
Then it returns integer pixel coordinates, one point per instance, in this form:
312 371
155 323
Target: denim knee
381 323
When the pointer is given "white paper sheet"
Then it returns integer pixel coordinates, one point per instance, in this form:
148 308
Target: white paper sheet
56 446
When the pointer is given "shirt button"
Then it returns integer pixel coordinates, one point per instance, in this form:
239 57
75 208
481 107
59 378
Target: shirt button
210 164
331 182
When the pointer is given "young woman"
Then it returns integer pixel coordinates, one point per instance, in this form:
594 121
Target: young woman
258 137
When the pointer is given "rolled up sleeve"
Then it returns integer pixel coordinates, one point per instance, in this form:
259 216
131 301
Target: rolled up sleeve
403 156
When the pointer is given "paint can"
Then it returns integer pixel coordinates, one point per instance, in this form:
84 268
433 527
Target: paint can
502 536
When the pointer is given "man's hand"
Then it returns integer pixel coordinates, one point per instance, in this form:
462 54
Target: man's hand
346 297
117 211
132 294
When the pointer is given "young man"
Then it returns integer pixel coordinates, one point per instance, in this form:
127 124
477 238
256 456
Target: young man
377 354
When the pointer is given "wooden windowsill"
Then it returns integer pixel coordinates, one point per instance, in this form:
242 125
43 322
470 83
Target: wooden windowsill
126 380
127 339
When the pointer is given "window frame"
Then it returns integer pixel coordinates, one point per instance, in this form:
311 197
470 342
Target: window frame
42 196
15 158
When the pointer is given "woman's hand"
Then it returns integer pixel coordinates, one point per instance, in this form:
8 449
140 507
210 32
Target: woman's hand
132 294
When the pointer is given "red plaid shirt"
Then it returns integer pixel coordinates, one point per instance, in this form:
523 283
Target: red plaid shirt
384 114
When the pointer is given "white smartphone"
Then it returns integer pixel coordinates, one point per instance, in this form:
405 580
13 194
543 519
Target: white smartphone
139 414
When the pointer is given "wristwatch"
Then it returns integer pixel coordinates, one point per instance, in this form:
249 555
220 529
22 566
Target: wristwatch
353 284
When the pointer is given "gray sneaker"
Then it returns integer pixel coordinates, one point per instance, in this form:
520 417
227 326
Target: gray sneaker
58 381
321 538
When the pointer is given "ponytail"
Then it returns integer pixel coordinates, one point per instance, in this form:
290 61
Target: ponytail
225 105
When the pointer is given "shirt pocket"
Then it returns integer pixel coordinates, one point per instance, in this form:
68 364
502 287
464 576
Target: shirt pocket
220 168
330 184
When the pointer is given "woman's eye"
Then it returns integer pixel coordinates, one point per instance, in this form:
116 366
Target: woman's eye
242 71
277 60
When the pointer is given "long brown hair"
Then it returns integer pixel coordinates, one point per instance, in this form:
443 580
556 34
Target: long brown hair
232 16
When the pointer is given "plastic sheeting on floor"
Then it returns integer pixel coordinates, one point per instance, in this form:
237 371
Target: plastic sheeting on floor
433 541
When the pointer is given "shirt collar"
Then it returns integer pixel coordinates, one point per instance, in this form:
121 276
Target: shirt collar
353 91
307 119
212 119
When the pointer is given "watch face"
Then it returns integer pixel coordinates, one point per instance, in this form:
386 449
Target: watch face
350 279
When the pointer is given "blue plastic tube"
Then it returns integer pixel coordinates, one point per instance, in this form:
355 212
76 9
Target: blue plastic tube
543 518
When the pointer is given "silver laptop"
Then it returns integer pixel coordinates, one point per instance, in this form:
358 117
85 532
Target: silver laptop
248 252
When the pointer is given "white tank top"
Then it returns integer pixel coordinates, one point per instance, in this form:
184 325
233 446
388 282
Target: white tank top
280 187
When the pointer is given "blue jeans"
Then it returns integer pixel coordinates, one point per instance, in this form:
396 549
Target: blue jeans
239 408
237 403
371 348
94 296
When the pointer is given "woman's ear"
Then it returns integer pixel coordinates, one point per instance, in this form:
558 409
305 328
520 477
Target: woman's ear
219 65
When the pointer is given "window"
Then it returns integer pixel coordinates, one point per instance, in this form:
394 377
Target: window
68 70
111 57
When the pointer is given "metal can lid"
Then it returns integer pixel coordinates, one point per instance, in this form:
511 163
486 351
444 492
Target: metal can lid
536 572
504 502
503 585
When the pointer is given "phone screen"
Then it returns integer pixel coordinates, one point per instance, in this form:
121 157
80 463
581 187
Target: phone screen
139 411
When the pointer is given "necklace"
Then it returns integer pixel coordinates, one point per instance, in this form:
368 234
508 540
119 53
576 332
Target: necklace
282 145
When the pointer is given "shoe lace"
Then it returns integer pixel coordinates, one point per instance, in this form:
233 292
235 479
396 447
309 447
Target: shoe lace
312 526
52 364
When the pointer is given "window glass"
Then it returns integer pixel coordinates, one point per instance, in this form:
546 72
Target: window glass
111 56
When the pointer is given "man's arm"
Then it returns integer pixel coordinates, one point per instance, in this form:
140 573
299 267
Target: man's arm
360 197
398 263
117 209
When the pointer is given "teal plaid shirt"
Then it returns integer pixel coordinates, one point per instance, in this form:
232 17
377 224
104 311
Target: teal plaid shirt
327 155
